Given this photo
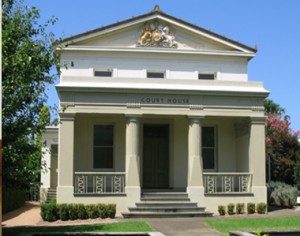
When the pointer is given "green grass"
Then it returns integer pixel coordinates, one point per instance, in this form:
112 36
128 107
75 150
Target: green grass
254 224
114 227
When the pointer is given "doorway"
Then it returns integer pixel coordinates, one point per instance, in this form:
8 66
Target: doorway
156 156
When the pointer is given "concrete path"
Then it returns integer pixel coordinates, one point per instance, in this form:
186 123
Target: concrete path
181 226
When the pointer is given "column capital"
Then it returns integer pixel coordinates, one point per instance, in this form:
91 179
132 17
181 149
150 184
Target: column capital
258 120
132 117
67 116
195 119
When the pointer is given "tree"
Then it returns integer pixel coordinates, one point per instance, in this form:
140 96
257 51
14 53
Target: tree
285 145
27 61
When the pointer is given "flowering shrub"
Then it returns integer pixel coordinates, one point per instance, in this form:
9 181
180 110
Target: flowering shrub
278 129
285 148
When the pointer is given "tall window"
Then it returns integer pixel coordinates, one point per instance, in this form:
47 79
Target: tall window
103 146
209 148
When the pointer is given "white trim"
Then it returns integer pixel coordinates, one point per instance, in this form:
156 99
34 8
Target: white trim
166 19
156 50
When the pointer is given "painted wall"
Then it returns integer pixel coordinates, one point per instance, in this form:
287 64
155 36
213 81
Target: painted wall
135 65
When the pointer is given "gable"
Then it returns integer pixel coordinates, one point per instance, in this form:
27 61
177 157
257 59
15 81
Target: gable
157 30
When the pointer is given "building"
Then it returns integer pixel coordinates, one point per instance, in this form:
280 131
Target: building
154 103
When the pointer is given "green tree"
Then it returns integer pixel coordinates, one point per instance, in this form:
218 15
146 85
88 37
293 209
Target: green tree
26 70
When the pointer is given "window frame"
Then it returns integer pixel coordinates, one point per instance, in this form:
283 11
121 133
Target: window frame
156 72
113 146
209 148
103 71
206 74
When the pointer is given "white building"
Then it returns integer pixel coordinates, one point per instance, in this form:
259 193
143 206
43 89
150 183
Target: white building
156 104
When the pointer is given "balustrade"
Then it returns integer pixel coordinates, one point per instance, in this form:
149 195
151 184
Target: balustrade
227 182
99 182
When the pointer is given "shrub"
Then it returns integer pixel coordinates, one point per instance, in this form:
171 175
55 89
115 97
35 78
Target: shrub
73 211
63 211
49 212
240 208
221 210
251 208
102 211
92 211
82 214
52 212
111 210
282 194
261 208
230 209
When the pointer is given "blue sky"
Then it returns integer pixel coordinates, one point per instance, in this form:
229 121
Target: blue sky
272 25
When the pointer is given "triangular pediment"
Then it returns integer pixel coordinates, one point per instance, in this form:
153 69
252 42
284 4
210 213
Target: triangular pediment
157 30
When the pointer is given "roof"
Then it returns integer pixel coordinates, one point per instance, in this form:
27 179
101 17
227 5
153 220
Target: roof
156 12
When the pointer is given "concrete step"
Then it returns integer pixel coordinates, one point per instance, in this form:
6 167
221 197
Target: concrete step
165 214
165 204
166 209
165 197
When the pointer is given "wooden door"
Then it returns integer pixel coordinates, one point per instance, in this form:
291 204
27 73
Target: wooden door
156 156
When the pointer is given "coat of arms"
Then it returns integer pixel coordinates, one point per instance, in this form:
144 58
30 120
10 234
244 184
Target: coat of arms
156 35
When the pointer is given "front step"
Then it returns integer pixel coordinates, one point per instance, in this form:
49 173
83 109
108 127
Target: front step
165 204
51 194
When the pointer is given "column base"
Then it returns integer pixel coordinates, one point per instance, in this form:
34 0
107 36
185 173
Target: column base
65 194
196 194
133 195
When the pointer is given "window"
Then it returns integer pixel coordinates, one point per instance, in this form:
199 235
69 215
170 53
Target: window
209 148
103 73
103 146
207 76
155 74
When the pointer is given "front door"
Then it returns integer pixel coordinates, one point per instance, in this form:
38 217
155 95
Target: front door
156 156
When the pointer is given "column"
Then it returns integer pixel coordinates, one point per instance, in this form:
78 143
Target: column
195 169
65 189
257 158
133 186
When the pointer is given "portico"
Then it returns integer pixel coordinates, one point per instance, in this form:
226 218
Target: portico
155 104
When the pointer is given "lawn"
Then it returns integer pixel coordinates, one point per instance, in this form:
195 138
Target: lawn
114 227
254 224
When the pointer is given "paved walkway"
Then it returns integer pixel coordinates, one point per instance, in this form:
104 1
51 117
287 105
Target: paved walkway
29 215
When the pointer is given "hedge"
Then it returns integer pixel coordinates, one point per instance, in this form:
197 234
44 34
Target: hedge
53 212
12 199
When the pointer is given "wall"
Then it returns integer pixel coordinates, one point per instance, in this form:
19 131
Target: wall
133 65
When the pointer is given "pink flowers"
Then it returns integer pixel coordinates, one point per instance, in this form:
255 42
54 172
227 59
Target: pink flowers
278 128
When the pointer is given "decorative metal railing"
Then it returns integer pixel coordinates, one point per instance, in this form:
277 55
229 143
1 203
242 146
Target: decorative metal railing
227 182
99 182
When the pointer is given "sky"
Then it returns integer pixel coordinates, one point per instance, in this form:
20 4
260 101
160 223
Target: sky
271 25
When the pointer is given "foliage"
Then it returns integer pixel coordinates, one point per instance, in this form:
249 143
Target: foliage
261 208
253 224
27 59
282 194
49 212
251 208
240 208
285 154
297 174
114 227
12 198
221 210
230 209
52 211
63 211
92 211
